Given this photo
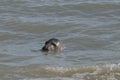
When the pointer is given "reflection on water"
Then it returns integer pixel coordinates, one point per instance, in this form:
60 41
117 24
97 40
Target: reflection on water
89 29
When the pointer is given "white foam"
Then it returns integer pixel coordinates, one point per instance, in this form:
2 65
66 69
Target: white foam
102 72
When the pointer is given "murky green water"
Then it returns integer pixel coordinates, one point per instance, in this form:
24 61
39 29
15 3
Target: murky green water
89 29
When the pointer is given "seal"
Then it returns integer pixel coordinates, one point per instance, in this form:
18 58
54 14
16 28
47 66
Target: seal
53 45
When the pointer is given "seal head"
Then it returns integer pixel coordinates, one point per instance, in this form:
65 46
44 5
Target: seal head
53 45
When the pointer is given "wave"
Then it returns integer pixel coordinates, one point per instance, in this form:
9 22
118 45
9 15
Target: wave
100 72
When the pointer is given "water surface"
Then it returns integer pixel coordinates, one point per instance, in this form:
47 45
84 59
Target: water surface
89 29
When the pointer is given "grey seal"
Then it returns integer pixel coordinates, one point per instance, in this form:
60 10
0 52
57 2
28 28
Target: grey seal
53 44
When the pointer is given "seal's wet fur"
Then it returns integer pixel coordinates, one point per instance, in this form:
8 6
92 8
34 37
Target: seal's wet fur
53 45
